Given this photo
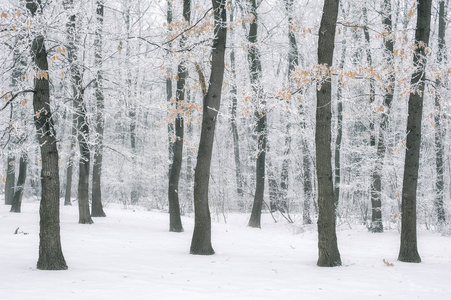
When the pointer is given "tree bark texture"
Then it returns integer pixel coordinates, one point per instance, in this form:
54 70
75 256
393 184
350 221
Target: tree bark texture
169 89
339 137
175 222
408 251
18 191
97 207
80 111
306 219
201 241
50 252
10 179
233 121
70 164
438 121
260 117
329 256
131 112
376 186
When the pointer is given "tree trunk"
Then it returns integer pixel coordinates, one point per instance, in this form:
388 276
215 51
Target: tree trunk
439 128
50 253
260 116
201 241
97 207
18 191
376 186
70 164
175 222
10 178
408 251
82 125
329 256
134 193
169 90
306 219
376 217
233 121
339 137
293 62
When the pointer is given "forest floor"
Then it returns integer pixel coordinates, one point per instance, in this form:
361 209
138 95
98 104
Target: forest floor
131 255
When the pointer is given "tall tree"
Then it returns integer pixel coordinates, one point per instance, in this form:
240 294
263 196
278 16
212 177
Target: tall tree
339 137
97 207
131 98
233 120
408 250
175 222
70 163
80 110
169 86
376 185
260 115
438 117
50 253
201 241
329 256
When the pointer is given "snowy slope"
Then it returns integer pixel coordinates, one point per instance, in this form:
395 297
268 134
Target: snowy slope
131 255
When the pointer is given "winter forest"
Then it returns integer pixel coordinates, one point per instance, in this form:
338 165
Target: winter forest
327 118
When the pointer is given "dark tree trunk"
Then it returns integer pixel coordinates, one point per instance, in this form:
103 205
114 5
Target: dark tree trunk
339 137
439 128
70 164
408 251
274 191
260 116
10 178
376 186
18 191
50 253
82 125
233 121
135 186
329 256
97 207
306 219
201 241
169 90
175 222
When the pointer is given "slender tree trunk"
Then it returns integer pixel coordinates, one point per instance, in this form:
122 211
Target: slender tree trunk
376 218
169 90
201 241
274 191
10 178
50 253
233 121
439 128
18 191
306 219
329 256
134 193
82 125
260 116
175 222
339 138
70 164
97 207
293 62
408 251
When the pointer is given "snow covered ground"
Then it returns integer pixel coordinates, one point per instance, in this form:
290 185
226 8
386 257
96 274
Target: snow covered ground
131 255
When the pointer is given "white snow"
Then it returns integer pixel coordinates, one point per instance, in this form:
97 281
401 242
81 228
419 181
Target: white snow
131 255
